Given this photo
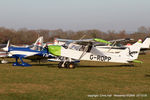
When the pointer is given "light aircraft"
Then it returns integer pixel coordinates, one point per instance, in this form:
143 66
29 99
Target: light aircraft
37 45
35 52
75 50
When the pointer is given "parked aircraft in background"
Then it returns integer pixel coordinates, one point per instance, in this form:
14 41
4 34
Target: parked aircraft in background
33 52
36 46
118 48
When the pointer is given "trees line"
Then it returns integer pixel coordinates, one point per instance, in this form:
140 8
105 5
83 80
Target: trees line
26 36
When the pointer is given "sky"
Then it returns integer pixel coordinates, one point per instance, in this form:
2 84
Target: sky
75 15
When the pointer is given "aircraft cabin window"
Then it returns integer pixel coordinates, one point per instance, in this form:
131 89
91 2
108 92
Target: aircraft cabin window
89 48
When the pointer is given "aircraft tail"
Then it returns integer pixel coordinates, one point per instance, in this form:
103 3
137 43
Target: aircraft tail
55 41
146 43
39 41
132 52
38 44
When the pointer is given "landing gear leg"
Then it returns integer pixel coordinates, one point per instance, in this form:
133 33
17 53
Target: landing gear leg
16 63
60 65
63 64
23 63
66 63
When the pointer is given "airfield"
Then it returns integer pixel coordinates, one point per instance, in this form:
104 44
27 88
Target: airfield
88 81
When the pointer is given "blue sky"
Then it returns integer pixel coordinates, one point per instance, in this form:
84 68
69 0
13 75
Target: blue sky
75 14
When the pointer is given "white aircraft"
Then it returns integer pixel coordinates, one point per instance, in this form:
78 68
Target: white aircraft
89 52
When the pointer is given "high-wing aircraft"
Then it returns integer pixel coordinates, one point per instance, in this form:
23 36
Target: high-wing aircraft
32 52
85 50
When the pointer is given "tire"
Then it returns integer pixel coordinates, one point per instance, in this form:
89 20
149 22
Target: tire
71 65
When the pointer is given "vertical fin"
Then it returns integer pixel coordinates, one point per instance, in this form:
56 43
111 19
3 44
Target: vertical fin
132 51
146 43
39 41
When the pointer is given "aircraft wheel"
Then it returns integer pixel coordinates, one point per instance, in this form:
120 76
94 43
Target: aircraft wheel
60 65
71 65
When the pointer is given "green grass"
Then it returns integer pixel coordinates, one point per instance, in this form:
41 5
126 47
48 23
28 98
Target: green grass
47 82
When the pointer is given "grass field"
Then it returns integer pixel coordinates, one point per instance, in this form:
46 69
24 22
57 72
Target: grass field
47 82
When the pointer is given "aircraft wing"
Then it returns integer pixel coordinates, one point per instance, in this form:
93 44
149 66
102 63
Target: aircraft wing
33 56
121 40
84 41
29 54
64 40
68 40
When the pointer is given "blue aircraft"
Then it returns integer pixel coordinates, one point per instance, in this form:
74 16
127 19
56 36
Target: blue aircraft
28 53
